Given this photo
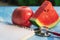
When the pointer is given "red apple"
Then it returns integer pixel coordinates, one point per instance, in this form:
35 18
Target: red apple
21 16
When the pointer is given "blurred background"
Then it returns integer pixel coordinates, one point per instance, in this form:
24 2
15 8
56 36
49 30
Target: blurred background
27 2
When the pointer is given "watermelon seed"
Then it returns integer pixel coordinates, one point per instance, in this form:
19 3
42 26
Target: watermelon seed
46 10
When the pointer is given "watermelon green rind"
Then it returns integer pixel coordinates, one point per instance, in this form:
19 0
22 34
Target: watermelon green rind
34 22
39 24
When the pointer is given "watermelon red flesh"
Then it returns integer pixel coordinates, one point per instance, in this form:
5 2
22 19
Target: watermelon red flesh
45 15
42 7
48 18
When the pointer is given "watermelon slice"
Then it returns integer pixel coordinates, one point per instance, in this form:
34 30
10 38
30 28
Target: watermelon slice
45 16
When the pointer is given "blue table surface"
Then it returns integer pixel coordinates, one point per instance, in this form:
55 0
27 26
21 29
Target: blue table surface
6 15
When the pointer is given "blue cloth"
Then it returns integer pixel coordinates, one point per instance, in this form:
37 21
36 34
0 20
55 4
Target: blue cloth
6 16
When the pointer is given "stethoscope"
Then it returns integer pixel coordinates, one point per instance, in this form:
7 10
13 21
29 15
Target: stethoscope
45 32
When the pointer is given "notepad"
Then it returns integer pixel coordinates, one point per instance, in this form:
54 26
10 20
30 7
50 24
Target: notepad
13 32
